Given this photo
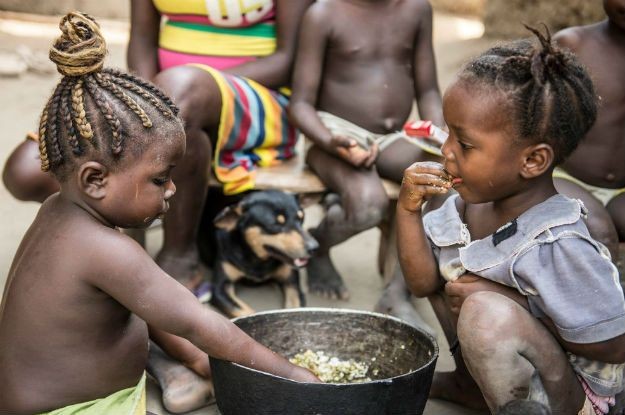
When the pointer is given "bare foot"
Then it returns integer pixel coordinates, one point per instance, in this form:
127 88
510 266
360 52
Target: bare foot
183 390
400 306
186 269
324 280
457 388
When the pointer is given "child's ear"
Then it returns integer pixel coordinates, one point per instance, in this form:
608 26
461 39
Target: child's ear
537 159
92 179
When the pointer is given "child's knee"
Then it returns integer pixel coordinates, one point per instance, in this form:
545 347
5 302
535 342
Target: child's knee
486 318
368 210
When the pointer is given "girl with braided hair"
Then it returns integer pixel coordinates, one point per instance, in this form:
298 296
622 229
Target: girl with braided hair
73 332
514 276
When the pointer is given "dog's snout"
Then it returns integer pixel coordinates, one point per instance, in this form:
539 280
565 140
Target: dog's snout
311 245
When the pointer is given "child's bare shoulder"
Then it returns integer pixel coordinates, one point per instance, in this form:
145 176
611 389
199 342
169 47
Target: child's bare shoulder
576 37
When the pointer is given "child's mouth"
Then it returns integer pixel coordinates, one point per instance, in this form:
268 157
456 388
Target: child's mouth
455 181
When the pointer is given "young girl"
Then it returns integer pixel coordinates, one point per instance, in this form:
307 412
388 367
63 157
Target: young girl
508 263
73 332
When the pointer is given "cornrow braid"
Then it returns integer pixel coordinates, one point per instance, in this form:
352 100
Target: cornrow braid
130 84
551 92
86 109
70 129
105 109
105 82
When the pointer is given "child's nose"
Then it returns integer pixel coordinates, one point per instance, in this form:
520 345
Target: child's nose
171 190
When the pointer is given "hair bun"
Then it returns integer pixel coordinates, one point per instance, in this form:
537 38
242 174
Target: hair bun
80 50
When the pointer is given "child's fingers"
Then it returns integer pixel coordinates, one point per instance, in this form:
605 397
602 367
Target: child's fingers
373 155
425 180
342 141
428 167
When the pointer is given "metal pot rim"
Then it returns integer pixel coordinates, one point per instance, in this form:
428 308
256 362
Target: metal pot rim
343 311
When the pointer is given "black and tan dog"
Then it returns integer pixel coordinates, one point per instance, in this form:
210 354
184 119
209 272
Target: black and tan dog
259 239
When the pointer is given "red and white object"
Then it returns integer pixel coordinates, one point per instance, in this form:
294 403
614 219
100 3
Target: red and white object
426 129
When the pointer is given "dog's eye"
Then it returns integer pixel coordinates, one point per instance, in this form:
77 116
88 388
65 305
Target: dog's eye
280 219
300 214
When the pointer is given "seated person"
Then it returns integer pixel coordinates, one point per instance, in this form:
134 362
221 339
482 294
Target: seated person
73 332
354 87
508 263
595 172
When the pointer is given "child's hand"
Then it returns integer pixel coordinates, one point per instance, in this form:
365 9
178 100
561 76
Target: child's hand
301 374
421 181
460 289
348 149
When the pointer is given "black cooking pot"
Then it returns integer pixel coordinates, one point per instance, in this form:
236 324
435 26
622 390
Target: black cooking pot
404 365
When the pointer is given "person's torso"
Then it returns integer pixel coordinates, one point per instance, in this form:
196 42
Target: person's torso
598 160
368 73
62 340
218 33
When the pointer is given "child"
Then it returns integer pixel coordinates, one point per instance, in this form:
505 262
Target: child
550 298
595 172
73 331
363 78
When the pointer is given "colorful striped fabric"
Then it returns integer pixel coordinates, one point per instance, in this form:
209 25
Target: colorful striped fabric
218 33
253 131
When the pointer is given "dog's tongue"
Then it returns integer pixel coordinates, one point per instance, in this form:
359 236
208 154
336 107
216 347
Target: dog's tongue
300 262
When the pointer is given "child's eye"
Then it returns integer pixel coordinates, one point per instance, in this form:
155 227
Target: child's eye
160 181
464 145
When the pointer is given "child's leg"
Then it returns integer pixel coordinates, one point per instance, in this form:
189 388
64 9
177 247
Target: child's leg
457 386
183 390
599 221
502 343
396 300
363 204
197 95
23 177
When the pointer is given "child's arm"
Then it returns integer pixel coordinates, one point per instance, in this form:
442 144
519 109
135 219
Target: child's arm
418 264
142 54
121 268
307 79
183 351
274 71
427 93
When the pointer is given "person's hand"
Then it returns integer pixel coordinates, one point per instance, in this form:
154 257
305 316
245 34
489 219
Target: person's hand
301 374
460 289
348 149
421 181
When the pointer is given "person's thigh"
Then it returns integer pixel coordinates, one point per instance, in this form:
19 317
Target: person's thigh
616 208
358 188
502 344
398 156
196 93
599 222
23 177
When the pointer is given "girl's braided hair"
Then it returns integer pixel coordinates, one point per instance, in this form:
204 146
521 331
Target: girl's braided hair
91 97
552 96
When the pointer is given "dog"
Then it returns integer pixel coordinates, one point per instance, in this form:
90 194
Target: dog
260 238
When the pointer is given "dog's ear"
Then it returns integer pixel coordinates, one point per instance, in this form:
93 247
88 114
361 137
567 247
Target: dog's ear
308 199
227 218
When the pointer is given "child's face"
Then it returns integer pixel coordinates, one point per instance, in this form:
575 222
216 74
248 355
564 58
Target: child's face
480 149
615 9
139 193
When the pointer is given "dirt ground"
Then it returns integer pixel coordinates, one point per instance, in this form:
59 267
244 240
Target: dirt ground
23 97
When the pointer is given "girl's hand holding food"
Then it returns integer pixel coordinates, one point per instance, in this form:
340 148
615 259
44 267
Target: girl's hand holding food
421 181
